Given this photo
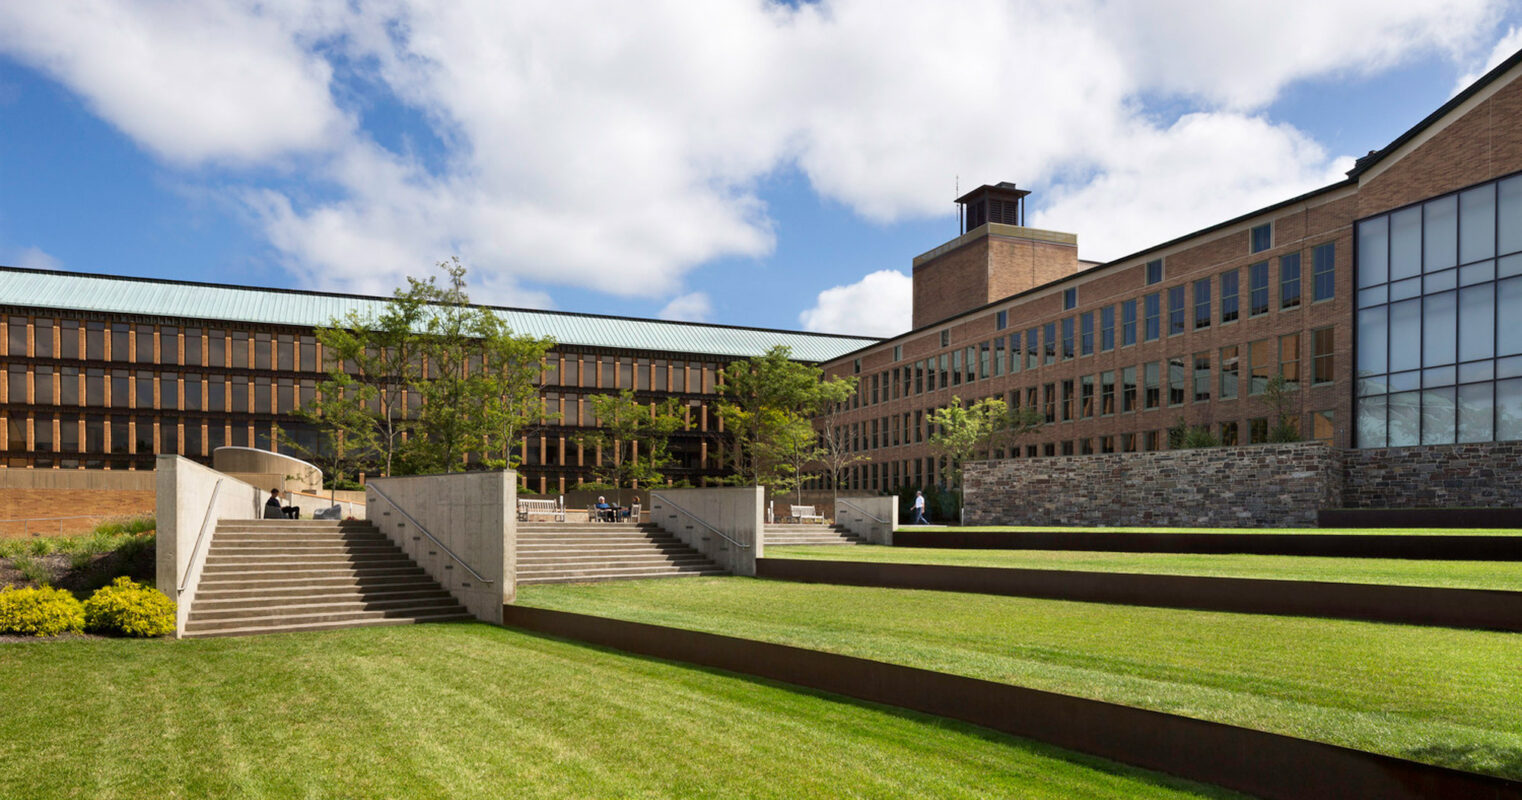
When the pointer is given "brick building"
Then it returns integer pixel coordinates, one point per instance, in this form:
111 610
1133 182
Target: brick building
1382 299
105 372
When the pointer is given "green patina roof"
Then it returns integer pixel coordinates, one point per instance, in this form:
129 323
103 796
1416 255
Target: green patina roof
159 298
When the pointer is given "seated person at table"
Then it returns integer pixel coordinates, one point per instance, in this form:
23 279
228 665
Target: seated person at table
604 511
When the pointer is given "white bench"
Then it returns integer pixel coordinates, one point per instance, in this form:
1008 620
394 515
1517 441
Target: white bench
527 509
805 514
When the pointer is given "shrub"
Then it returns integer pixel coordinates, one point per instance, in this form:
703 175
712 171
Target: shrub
33 570
39 612
126 608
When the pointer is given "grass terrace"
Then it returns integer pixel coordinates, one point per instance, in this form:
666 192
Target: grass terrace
1502 575
458 710
1437 695
1286 531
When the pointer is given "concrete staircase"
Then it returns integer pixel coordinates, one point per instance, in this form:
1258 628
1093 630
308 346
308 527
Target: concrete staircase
781 534
268 576
565 552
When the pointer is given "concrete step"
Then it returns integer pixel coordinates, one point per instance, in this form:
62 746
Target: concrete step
263 619
624 576
316 607
281 581
304 591
292 525
221 579
301 550
610 561
304 565
255 629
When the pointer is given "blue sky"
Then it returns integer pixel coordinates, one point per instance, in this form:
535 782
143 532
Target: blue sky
734 165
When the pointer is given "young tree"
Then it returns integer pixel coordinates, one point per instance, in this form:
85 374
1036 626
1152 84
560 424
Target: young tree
347 435
632 437
1280 395
1183 436
835 455
508 388
792 447
764 398
965 433
450 425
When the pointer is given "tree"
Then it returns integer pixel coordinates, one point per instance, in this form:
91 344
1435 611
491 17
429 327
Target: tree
792 447
633 438
508 389
449 427
1183 436
764 398
965 432
345 425
835 455
1279 394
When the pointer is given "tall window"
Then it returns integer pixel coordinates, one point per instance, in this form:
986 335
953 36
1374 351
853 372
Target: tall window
1202 303
1086 334
1067 338
1229 372
1154 271
1260 358
1289 281
1176 310
1069 299
1128 323
1015 358
1324 272
1289 359
1049 342
1001 320
1201 377
1321 356
1152 324
1177 378
1107 393
1127 390
1257 287
1086 396
1152 393
1107 328
1067 400
1229 287
1262 237
1032 349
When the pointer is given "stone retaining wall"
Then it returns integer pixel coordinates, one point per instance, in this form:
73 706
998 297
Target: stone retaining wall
1483 475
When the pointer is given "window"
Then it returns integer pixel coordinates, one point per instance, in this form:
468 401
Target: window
1202 303
1069 299
1086 397
1049 401
1177 378
1201 377
1128 323
1067 400
1107 393
1154 271
17 336
1049 341
1257 430
1322 429
1260 361
1152 304
1001 321
1229 287
1086 334
1229 372
1127 390
1107 328
1229 434
1323 272
956 369
1262 237
1067 338
42 338
145 390
1032 349
898 350
144 344
972 364
1175 311
945 342
1015 357
121 336
1321 357
1289 359
1152 396
998 357
1289 281
1257 286
983 354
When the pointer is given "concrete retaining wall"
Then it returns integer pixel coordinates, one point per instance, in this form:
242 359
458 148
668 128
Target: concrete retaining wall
874 519
737 513
114 480
188 503
298 474
1262 486
471 514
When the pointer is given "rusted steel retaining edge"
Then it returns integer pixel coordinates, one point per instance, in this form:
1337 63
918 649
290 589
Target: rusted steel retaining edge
1457 547
1259 763
1411 605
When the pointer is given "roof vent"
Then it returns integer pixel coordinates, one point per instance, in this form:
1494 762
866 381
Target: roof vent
1002 203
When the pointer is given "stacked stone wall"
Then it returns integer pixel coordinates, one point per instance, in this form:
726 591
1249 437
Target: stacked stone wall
1482 475
1259 486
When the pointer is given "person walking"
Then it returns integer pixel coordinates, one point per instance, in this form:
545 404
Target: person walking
919 509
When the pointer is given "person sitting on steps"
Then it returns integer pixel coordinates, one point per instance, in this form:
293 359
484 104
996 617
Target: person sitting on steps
272 508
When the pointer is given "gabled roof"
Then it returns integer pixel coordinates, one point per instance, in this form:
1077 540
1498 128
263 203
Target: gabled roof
109 294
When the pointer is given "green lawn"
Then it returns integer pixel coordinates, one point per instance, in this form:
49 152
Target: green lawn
477 711
1121 529
1439 695
1503 575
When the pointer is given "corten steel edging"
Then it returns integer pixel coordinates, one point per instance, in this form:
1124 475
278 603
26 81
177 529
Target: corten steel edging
1458 547
1419 518
1412 605
1256 762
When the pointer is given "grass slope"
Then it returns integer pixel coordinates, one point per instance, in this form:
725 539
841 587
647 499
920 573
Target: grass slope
1451 574
473 710
1438 695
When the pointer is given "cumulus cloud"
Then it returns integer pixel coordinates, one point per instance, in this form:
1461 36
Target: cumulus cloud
1504 49
34 257
625 154
879 304
692 307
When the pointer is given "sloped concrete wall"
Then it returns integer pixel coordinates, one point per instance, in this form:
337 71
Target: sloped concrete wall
734 512
874 519
184 508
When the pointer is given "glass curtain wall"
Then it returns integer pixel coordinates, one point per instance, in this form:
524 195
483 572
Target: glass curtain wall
1439 356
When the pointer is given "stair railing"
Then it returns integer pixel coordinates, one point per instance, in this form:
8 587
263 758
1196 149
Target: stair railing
695 518
468 568
860 510
193 568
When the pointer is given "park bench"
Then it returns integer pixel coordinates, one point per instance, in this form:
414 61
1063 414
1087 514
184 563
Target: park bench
528 509
805 514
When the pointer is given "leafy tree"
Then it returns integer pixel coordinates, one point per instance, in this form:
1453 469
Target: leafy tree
763 400
633 438
835 455
1280 395
508 389
963 433
792 448
347 435
448 426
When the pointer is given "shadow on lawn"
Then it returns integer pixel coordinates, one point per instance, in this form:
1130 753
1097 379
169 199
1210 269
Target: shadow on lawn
1505 762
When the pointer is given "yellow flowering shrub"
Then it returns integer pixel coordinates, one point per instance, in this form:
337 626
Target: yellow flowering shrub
39 612
126 608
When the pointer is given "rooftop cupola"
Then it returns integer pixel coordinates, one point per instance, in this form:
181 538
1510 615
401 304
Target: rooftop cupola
1002 203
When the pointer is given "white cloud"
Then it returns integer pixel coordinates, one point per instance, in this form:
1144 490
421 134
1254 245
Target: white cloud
879 304
692 307
1504 49
621 155
34 257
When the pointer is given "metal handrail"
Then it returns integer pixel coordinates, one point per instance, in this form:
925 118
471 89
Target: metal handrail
862 510
431 537
695 518
211 507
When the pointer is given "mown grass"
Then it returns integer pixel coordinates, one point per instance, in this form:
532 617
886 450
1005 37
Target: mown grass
470 710
1501 575
1439 695
1289 531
